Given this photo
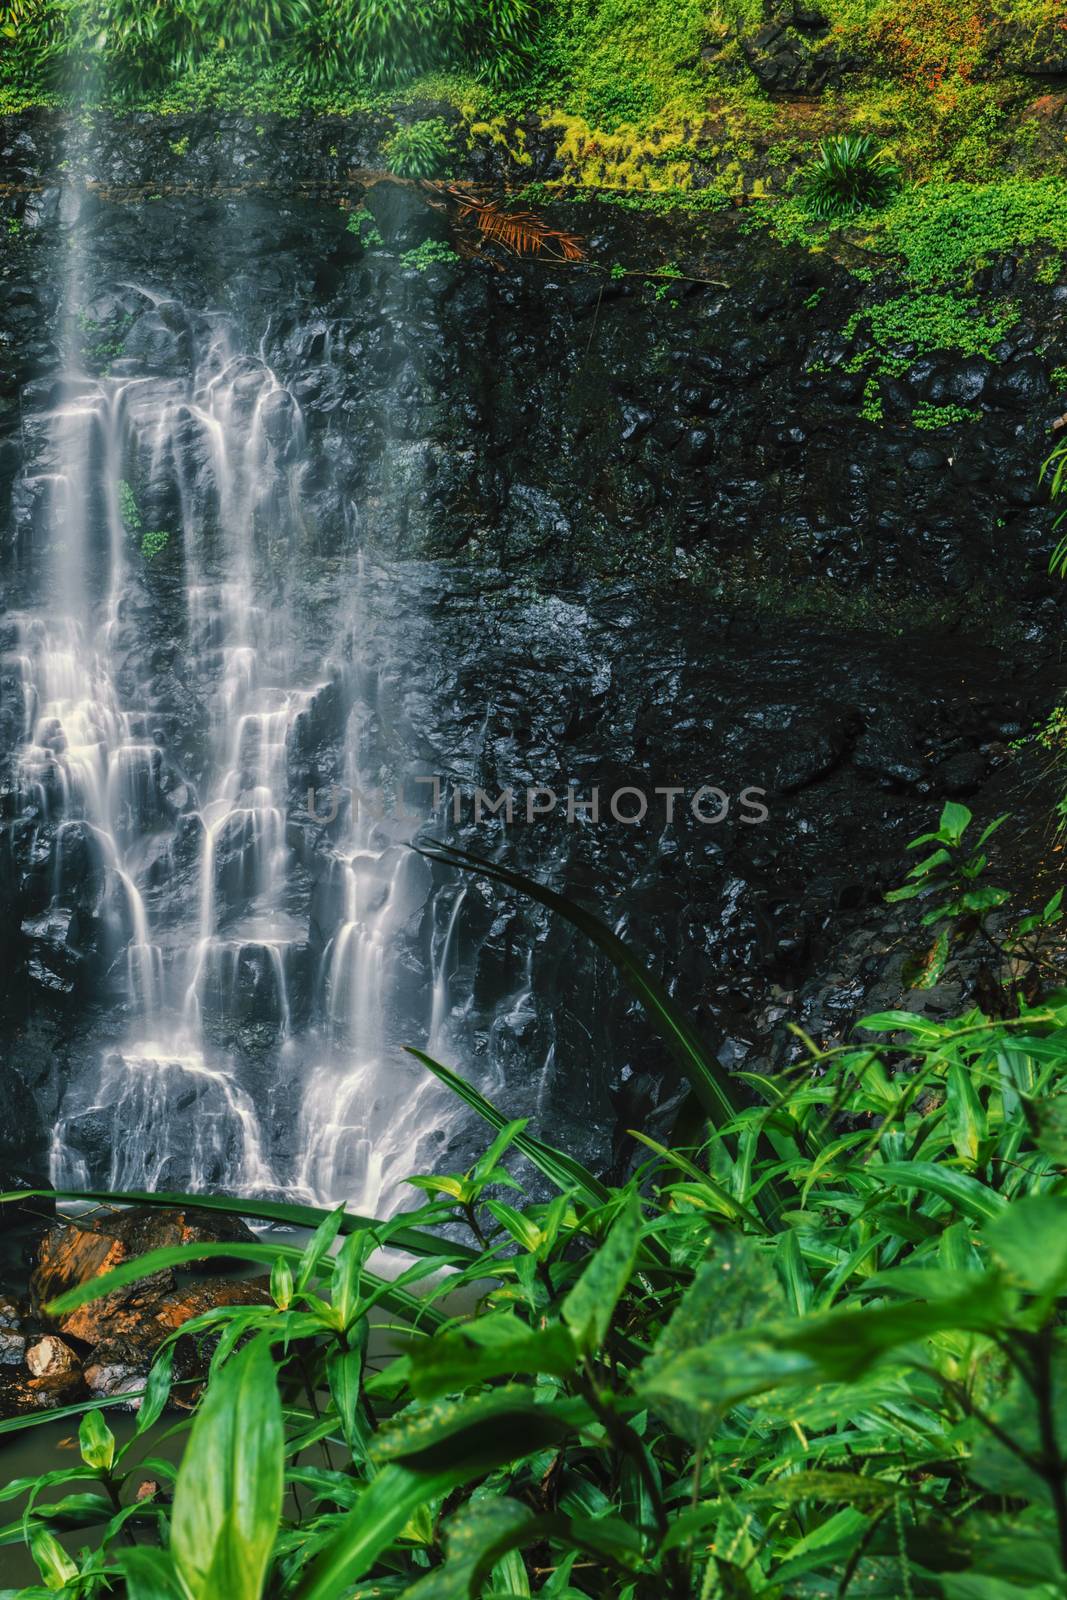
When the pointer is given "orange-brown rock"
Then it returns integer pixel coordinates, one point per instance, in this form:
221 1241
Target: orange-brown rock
75 1251
172 1310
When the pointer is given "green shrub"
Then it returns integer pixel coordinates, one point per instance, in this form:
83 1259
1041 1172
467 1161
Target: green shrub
419 149
1054 473
849 174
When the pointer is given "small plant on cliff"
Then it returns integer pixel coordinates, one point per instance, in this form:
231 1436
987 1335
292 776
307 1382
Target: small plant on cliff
849 174
153 543
1054 472
430 253
419 149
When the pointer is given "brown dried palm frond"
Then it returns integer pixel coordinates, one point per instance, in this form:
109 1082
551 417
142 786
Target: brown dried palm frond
521 233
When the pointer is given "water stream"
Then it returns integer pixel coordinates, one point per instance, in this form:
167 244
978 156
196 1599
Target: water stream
164 1099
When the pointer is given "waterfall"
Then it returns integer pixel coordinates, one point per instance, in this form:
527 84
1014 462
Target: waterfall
174 1101
200 638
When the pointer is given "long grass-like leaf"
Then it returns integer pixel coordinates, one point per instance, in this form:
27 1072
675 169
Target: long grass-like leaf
710 1082
560 1169
414 1241
182 1255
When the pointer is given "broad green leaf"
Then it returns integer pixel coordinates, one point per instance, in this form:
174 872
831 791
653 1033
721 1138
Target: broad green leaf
380 1513
793 1272
96 1441
489 1347
966 1114
150 1575
228 1497
157 1389
344 1372
1030 1239
506 1137
475 1537
525 1233
955 820
317 1248
473 1436
53 1562
590 1305
997 1461
281 1284
894 1022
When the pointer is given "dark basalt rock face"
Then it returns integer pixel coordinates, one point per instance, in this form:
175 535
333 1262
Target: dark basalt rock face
535 461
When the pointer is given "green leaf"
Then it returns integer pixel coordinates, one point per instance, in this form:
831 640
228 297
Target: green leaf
96 1442
489 1347
590 1305
955 820
991 828
525 1233
963 1192
228 1497
559 1168
474 1436
344 1374
378 1516
1030 1240
281 1283
150 1575
735 1288
793 1272
157 1389
475 1538
412 1240
966 1115
506 1137
894 1022
53 1562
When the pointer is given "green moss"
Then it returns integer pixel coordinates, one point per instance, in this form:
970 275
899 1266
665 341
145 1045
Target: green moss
428 254
929 417
944 231
154 543
871 409
920 321
623 63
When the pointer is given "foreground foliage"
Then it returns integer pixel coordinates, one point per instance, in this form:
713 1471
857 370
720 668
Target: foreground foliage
816 1351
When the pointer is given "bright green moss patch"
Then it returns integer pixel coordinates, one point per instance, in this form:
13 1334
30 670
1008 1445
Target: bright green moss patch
915 323
944 231
929 416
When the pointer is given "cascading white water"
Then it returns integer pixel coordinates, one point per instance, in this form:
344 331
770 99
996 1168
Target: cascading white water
169 1103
